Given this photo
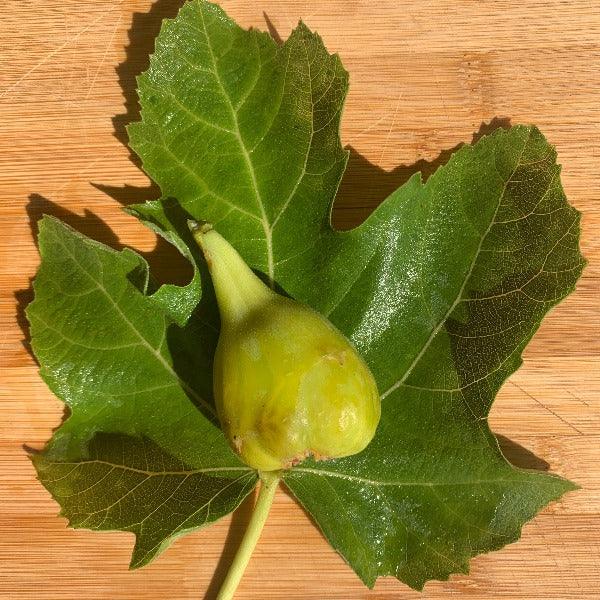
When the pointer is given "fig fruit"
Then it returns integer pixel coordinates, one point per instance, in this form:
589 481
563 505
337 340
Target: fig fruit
287 383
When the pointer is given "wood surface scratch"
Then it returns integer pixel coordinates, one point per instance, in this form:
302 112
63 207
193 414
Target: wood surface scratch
51 55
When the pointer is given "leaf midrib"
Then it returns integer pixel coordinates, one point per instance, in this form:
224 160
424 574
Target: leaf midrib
467 277
143 341
267 226
250 167
428 484
149 473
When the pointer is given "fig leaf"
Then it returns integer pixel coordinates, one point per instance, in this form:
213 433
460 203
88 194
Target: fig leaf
440 290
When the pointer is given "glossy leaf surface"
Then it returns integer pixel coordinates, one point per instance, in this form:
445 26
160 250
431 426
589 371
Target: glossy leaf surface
115 355
440 290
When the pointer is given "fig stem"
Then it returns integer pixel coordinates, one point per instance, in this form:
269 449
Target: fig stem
239 291
268 485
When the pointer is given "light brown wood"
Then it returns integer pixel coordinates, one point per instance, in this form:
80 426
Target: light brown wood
424 77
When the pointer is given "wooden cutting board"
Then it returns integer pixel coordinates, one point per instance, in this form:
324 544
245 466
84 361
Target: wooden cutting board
425 76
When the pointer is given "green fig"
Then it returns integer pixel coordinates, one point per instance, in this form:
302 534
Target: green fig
287 383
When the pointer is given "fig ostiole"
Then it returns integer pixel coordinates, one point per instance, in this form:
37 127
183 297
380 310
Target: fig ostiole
287 384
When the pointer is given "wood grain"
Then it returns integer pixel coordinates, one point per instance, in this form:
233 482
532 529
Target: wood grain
425 75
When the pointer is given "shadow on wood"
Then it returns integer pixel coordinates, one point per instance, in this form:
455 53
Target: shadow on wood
519 456
142 33
365 185
23 298
165 261
272 29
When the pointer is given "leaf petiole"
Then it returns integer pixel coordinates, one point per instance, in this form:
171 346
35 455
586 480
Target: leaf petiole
268 486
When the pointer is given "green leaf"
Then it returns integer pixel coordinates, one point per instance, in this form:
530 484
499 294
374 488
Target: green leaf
492 245
242 132
131 484
123 365
440 289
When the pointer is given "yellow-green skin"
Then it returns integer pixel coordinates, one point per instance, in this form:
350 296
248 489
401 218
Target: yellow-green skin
287 383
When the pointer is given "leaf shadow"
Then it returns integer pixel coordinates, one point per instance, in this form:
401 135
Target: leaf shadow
165 261
142 34
272 29
365 185
519 456
23 297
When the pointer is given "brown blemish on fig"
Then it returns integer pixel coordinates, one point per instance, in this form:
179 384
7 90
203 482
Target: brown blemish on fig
319 457
294 462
